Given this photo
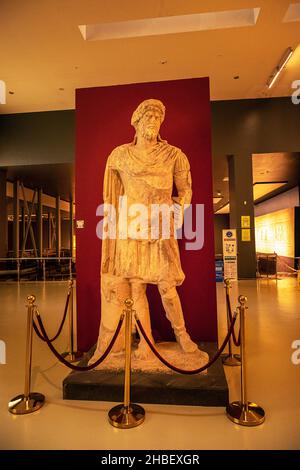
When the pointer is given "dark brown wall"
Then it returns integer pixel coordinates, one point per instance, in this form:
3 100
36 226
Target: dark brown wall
255 126
37 138
240 126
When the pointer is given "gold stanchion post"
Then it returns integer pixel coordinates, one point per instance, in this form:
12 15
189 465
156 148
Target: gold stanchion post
30 401
71 355
127 415
244 412
230 359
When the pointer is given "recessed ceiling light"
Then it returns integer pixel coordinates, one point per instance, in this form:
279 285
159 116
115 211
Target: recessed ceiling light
207 21
11 92
292 13
226 178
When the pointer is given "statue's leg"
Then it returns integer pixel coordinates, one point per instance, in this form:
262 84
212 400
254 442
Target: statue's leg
141 306
114 290
173 309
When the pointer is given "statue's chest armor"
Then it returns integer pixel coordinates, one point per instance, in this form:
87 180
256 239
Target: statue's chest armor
149 186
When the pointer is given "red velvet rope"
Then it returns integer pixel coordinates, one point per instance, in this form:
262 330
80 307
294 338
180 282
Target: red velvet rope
237 342
72 366
183 371
60 327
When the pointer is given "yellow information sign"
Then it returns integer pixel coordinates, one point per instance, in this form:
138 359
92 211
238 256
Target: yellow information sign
245 221
246 235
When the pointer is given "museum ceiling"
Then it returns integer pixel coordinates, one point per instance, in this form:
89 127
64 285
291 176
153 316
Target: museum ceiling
44 56
273 173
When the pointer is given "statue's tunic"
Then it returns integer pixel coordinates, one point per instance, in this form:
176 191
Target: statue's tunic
145 177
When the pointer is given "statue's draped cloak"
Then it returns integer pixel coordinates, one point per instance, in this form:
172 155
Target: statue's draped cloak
145 177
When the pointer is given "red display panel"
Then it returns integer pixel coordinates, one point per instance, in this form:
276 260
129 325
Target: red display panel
102 123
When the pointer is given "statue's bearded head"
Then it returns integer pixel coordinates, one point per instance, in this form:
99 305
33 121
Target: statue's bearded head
147 118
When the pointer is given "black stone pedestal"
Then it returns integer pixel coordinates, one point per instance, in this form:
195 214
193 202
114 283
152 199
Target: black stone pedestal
210 389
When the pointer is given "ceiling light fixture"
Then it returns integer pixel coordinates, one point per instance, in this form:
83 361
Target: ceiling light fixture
262 189
225 209
216 200
278 69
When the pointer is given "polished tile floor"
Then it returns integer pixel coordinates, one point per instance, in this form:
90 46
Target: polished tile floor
273 323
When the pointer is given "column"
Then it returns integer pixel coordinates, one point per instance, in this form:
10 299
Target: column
242 212
23 222
58 227
3 215
39 221
49 230
16 225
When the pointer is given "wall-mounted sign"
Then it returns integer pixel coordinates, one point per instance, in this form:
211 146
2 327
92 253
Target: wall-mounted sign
246 235
245 221
230 254
79 223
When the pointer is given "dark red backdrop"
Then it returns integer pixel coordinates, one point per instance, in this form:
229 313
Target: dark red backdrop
102 123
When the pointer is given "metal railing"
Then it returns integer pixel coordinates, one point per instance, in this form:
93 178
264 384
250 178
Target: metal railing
37 268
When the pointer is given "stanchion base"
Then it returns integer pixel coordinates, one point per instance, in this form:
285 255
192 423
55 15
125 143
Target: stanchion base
72 357
239 414
231 360
22 405
124 418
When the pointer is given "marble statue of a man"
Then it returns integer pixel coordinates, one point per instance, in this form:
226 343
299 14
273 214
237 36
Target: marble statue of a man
144 171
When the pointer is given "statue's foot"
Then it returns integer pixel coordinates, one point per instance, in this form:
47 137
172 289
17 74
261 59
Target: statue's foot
94 358
142 352
187 345
99 352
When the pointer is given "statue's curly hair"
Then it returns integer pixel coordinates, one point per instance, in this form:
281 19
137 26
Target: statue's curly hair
143 107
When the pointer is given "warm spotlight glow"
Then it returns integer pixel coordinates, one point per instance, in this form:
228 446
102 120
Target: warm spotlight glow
224 209
274 232
217 199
